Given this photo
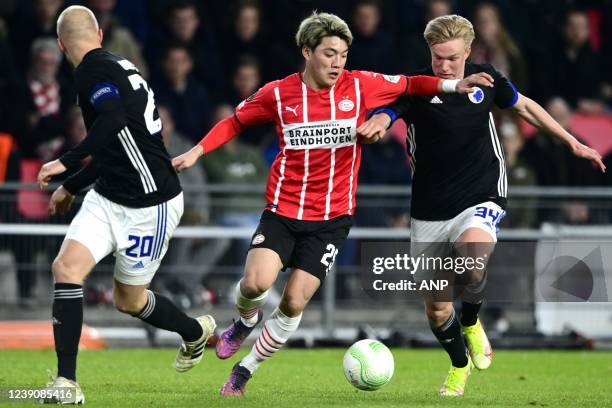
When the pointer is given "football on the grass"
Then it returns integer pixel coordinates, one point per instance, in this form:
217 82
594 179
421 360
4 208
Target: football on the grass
368 365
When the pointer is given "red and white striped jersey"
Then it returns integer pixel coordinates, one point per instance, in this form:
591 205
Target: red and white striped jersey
314 176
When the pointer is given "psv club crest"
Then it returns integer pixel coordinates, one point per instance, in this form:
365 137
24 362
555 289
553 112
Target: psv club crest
346 105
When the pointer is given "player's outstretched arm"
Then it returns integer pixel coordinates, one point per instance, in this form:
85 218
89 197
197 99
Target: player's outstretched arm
256 109
467 84
187 159
423 85
537 116
374 129
221 133
49 170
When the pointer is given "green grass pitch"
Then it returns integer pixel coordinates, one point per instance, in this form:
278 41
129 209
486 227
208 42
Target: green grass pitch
314 378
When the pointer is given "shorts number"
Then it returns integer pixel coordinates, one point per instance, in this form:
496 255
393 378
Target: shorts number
490 213
329 257
144 245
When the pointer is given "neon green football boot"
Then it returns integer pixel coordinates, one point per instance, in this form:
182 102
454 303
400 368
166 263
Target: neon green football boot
478 345
454 385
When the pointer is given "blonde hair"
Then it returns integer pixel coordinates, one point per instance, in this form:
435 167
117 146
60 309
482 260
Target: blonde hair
318 25
449 27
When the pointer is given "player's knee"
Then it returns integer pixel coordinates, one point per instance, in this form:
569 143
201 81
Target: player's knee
292 305
126 305
252 287
64 272
127 308
438 312
475 277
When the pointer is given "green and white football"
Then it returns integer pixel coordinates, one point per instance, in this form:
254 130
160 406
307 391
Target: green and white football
368 365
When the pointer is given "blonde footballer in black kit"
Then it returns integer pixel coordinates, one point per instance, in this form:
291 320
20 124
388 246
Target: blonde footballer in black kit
459 181
131 212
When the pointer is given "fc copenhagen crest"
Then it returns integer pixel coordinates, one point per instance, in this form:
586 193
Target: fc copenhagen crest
477 95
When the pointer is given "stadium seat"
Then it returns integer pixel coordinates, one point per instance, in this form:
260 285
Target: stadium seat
595 130
31 204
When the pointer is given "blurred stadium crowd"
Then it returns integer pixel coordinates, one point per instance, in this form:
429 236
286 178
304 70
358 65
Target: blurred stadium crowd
203 57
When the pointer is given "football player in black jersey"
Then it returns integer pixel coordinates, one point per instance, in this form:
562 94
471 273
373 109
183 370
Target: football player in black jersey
131 212
459 181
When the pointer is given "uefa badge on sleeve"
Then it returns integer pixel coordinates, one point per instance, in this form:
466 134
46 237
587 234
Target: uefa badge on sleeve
394 79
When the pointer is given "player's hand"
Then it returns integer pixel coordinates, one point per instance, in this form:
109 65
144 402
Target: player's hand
588 153
187 159
373 129
61 201
467 84
49 170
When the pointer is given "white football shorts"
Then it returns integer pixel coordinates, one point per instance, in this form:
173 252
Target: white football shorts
137 237
485 216
428 238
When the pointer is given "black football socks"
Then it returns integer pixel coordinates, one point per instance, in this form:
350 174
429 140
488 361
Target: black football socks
450 337
159 311
469 313
67 323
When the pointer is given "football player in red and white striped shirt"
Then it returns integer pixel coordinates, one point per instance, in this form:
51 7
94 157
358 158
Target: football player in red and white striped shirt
313 180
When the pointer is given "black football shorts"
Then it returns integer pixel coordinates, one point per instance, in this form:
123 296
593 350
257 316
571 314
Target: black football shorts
308 245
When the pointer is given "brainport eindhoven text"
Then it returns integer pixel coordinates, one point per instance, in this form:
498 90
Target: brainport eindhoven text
320 136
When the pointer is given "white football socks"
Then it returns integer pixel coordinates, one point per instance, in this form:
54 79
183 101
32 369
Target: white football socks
275 333
248 308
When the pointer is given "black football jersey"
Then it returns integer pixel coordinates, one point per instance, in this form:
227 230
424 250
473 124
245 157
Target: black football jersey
130 164
457 156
